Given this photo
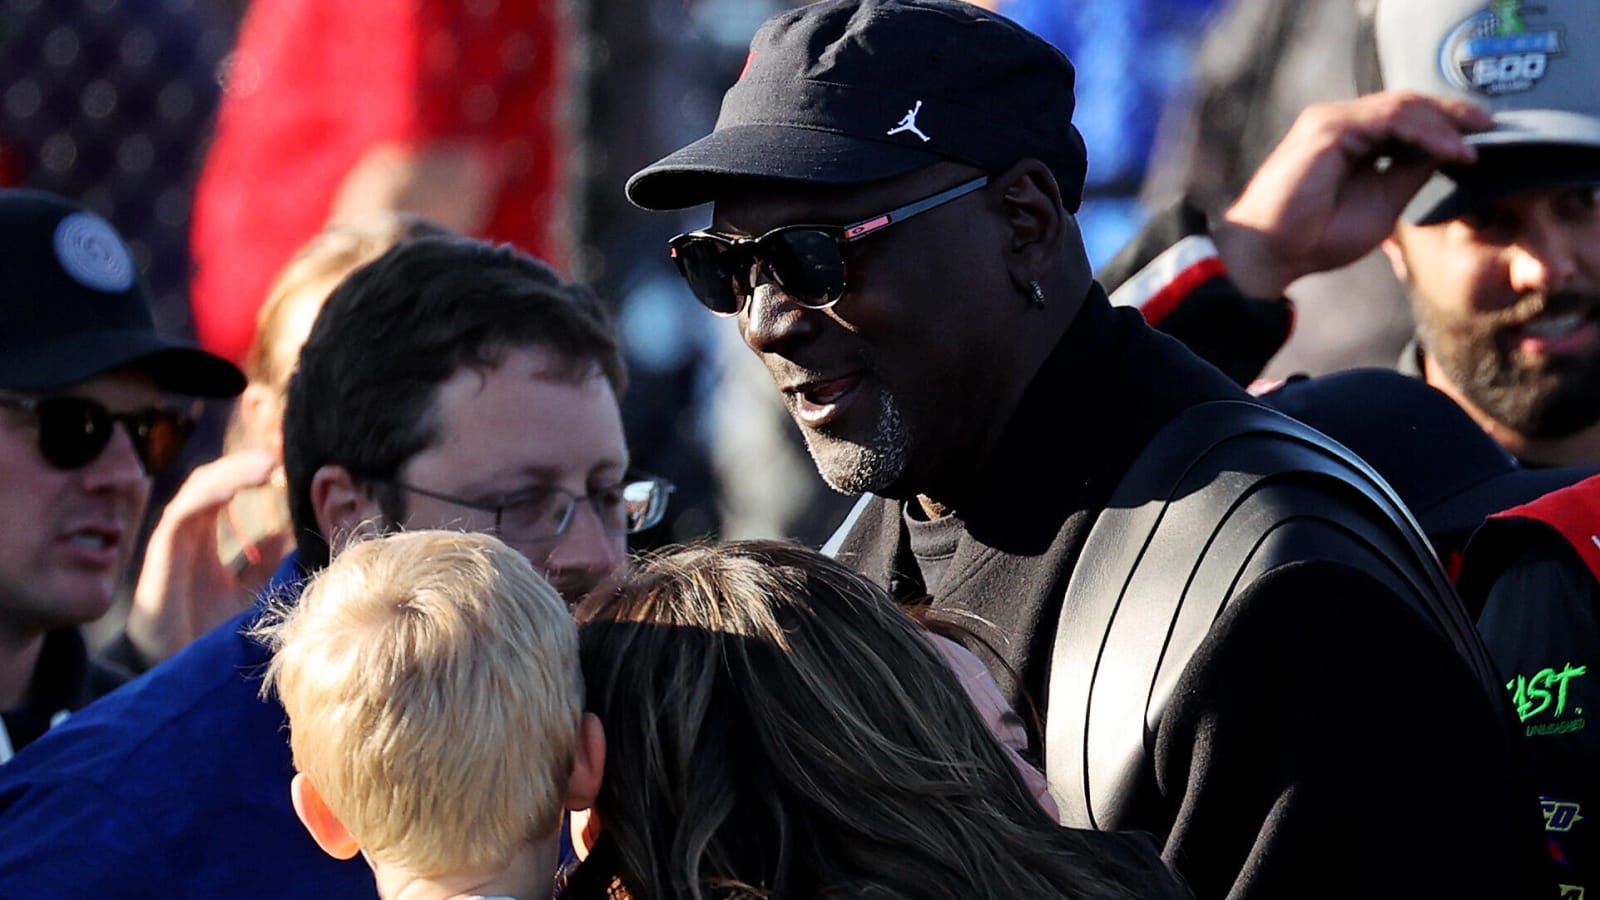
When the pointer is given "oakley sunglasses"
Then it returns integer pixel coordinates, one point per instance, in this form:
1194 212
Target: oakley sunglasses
74 431
807 261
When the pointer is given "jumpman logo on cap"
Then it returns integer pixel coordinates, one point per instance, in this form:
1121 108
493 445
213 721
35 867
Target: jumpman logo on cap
909 122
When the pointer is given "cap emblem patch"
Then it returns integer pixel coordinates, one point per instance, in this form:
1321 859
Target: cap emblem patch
908 122
1495 51
90 251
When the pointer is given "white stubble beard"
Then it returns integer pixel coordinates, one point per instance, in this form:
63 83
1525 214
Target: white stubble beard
871 468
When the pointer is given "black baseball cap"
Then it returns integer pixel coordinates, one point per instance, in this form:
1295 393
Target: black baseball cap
75 307
1533 66
1447 469
852 91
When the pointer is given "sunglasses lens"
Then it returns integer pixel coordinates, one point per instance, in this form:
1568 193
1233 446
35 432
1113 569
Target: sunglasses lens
807 264
708 266
159 436
72 431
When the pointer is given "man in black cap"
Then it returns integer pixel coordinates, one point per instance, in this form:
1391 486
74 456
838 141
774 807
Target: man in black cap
82 431
449 383
894 186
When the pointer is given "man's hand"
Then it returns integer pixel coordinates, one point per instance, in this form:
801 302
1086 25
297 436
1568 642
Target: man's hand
184 587
1322 199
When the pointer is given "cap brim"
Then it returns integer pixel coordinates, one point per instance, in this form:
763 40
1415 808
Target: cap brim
1466 509
1539 126
175 367
1504 167
697 173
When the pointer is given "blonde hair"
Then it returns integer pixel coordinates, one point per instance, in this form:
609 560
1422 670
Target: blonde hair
434 697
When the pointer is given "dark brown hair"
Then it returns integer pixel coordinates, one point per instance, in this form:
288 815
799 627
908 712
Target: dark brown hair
362 394
778 727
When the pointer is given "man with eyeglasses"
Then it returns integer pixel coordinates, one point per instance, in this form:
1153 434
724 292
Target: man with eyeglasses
923 301
448 384
83 429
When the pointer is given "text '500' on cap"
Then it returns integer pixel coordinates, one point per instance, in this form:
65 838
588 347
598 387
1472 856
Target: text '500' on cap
74 306
851 91
1535 66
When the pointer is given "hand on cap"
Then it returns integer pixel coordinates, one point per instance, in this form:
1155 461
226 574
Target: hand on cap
1333 187
184 587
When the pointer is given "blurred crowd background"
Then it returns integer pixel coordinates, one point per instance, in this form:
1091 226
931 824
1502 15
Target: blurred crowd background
218 135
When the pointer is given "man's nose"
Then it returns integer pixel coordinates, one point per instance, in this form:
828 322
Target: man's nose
1544 259
584 552
118 465
772 320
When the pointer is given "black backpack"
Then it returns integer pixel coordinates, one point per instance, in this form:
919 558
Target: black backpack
1224 493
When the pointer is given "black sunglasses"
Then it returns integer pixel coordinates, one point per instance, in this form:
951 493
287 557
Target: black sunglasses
74 431
807 261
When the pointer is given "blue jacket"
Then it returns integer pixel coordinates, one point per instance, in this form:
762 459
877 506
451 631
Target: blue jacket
175 785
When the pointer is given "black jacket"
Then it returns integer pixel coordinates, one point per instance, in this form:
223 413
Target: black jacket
1324 740
65 679
1534 571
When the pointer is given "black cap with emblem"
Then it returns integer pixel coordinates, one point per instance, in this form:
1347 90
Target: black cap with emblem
852 91
74 307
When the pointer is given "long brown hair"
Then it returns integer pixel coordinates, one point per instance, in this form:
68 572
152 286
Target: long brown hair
778 727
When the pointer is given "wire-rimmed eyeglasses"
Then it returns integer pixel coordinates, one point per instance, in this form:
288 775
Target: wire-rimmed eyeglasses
541 514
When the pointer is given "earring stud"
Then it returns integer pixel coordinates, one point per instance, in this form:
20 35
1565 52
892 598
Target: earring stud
1036 293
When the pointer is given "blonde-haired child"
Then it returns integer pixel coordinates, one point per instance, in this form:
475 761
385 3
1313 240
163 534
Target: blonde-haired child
436 714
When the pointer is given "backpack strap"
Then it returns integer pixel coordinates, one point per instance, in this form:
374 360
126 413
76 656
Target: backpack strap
1224 493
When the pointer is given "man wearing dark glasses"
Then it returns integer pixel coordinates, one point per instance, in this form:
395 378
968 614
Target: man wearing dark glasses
448 384
923 302
83 428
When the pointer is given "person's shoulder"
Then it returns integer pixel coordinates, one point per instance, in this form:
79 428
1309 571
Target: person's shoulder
183 756
180 708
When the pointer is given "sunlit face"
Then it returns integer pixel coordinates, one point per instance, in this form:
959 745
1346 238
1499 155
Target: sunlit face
1507 303
898 379
66 535
511 429
262 408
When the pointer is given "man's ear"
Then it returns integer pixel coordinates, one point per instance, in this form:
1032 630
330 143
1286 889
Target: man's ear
1397 258
1034 219
343 509
588 764
325 827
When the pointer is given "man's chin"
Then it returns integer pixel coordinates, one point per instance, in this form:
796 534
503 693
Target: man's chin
574 590
855 469
75 600
1544 407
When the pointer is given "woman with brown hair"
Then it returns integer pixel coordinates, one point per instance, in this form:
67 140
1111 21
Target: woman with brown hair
779 728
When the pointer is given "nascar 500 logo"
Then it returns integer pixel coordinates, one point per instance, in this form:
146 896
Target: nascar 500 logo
1496 52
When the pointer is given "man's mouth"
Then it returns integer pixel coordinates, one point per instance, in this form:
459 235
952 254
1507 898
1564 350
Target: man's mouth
817 403
94 544
1557 335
